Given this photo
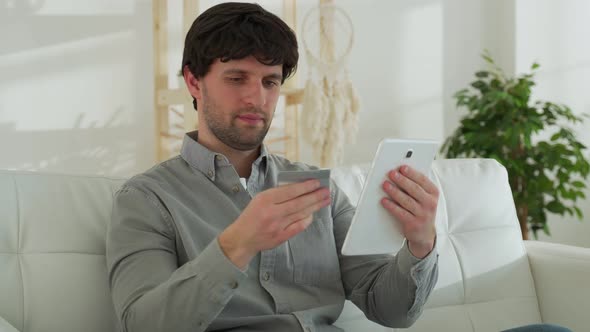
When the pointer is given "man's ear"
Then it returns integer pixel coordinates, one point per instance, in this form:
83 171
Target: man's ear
192 83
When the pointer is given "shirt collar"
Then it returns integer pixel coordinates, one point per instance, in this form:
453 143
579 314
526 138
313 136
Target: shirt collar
206 161
261 160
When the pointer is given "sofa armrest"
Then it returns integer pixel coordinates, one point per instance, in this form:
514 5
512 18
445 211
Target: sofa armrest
562 276
6 327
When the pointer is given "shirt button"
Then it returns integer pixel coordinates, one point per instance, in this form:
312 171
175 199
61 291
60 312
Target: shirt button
219 157
235 188
210 174
234 285
266 276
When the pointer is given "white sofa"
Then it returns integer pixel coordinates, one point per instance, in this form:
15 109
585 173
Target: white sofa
53 275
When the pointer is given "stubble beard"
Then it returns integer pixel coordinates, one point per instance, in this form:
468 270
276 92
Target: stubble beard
238 138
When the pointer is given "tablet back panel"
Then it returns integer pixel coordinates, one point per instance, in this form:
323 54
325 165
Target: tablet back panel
373 229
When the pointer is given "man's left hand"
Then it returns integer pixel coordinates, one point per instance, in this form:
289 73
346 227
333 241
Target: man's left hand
413 200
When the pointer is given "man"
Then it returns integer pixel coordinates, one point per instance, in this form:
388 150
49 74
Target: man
207 241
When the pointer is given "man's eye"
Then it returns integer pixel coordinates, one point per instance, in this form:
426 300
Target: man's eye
271 84
235 79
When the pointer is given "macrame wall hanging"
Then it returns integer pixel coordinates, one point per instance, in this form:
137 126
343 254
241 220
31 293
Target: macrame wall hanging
330 102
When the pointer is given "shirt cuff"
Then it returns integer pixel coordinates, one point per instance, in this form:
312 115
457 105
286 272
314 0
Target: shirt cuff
422 275
220 275
416 266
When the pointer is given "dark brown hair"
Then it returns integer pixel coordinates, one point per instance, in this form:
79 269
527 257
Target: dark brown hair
233 31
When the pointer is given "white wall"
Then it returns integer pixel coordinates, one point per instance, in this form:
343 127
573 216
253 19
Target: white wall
470 26
556 34
76 86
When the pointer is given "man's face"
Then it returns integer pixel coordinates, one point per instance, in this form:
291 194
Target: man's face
237 100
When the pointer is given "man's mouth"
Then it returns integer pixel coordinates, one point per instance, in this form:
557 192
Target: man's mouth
251 118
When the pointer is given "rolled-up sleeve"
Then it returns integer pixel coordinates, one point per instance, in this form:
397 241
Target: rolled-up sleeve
150 291
390 290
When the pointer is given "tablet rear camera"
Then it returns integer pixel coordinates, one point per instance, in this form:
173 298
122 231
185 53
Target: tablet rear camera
409 154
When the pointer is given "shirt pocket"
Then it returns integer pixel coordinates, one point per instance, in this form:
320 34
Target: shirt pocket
315 261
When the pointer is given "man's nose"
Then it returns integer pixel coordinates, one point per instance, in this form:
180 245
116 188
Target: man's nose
255 94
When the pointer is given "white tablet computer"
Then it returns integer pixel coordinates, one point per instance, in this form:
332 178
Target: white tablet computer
373 229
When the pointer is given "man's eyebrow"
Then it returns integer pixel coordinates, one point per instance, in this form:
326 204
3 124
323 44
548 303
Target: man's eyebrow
235 71
275 76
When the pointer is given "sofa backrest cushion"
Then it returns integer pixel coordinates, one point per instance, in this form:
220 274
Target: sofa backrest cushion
52 247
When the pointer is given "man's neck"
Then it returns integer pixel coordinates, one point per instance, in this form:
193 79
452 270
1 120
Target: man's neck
241 160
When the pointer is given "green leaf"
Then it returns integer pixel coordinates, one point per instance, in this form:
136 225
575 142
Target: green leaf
578 184
487 58
555 207
535 66
482 74
460 93
480 85
578 212
527 141
546 229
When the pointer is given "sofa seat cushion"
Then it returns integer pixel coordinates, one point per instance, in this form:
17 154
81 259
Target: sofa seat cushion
6 327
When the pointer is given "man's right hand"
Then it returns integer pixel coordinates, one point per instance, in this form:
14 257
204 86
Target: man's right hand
272 217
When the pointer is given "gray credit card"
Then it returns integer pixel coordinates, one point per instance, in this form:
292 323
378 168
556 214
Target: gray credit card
286 177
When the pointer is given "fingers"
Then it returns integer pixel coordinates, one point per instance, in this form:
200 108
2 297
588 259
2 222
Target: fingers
400 213
288 192
302 202
299 221
296 227
419 178
409 186
306 212
412 191
301 211
402 199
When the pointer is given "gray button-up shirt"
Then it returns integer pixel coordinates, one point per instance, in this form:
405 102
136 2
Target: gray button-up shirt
168 273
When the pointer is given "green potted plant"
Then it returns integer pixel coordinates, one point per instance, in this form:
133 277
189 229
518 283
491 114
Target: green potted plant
545 174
